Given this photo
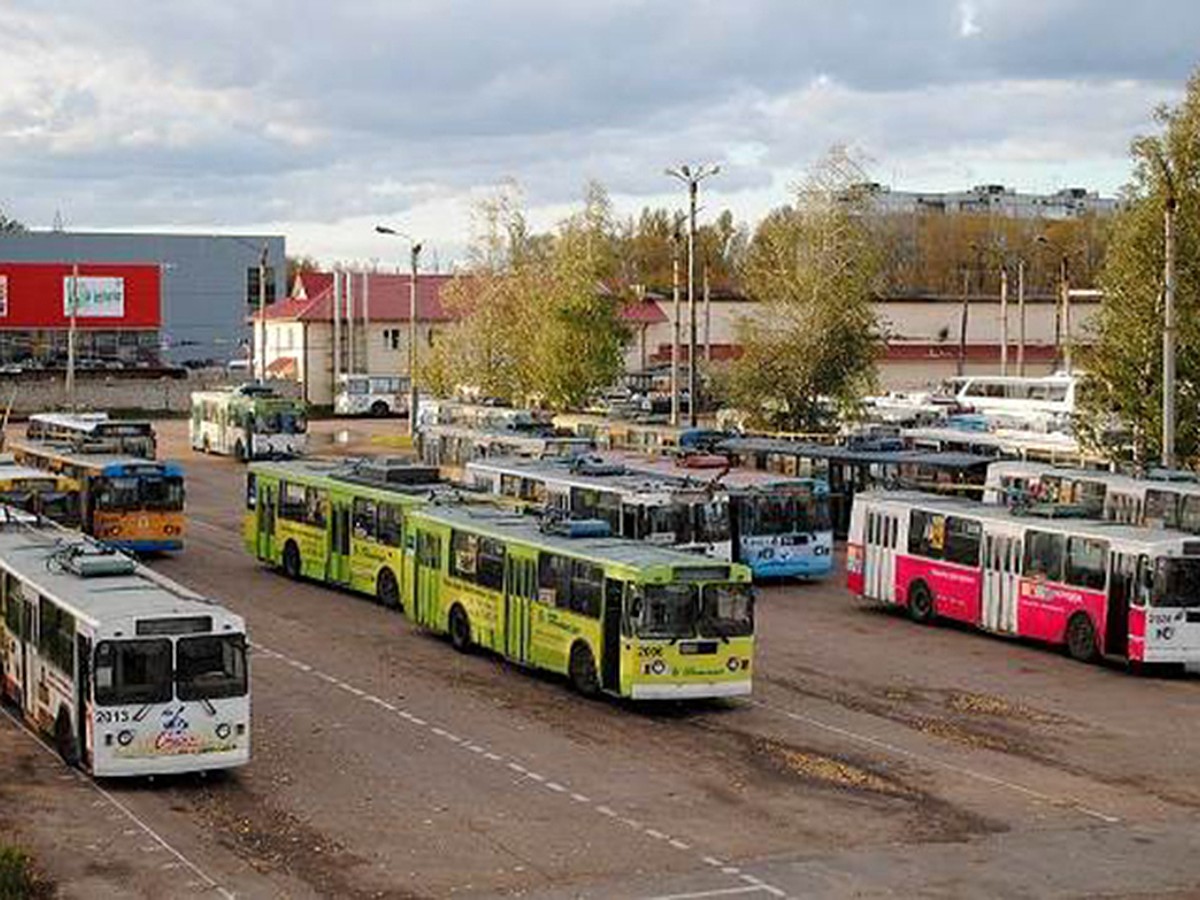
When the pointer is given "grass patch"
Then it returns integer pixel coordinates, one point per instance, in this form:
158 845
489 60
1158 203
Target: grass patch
19 879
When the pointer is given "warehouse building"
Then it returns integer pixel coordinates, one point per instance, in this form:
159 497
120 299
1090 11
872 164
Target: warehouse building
205 285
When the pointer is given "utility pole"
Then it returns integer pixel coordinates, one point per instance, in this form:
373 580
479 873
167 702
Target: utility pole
412 343
707 316
962 321
348 305
692 179
676 240
337 328
1004 318
260 358
1063 335
1021 316
74 300
1168 402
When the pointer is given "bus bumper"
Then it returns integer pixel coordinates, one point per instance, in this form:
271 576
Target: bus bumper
147 546
690 691
816 567
109 767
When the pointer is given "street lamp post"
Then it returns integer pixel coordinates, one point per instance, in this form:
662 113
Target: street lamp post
414 260
676 240
692 178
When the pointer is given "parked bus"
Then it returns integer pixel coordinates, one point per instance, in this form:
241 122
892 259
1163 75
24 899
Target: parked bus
1048 399
1093 587
451 447
49 495
636 435
1152 502
1050 447
371 395
127 672
338 522
131 503
622 617
247 422
780 527
849 470
93 432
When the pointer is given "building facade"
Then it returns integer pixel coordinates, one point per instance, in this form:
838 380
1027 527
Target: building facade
985 199
297 337
208 283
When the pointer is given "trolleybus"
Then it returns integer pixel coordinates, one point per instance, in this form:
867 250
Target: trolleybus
338 522
127 672
371 395
46 494
1093 587
131 503
618 616
93 432
247 422
451 447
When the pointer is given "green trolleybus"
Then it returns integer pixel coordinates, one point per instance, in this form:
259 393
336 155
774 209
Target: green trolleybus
335 521
619 616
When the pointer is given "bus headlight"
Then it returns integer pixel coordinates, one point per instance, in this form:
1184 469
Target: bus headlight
820 550
734 664
222 730
125 738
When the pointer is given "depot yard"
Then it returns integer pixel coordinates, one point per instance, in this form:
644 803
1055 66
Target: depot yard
875 756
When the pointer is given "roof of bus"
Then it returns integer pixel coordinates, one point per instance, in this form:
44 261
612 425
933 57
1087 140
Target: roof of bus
732 478
1094 528
9 471
97 461
341 473
501 433
940 459
524 529
87 422
30 551
561 470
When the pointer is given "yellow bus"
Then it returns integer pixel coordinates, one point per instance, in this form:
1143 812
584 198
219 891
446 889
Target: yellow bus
131 503
340 522
47 494
614 616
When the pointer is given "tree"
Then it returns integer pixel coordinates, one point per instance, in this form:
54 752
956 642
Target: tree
1123 386
297 265
811 347
9 226
535 314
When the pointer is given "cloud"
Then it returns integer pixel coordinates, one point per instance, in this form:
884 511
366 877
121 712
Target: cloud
201 115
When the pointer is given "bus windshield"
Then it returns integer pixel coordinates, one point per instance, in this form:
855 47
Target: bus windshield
783 514
162 493
118 493
727 610
133 672
1177 583
210 667
664 611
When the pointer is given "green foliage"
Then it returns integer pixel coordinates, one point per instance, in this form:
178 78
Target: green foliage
10 225
810 347
18 881
1124 365
536 315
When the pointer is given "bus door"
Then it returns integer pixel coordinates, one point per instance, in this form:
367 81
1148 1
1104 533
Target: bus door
610 655
83 685
1001 582
879 556
426 574
520 589
28 653
1122 582
339 543
266 521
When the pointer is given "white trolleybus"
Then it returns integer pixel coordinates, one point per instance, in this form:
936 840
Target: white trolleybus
127 672
371 395
1094 587
248 422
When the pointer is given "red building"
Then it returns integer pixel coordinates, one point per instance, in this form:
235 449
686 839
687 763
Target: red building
118 311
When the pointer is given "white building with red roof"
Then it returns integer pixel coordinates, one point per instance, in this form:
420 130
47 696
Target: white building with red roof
295 338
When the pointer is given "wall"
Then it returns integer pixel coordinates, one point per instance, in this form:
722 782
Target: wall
204 278
101 393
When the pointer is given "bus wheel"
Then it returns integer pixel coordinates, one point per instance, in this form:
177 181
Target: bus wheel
291 560
920 604
64 740
239 451
1081 637
583 670
460 629
207 445
379 409
387 592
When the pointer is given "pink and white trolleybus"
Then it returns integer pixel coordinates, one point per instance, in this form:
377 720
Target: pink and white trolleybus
1095 587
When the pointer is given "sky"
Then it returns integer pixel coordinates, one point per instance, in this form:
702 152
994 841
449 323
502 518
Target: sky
320 120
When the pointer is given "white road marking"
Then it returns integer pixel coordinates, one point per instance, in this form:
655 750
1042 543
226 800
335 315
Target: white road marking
555 786
719 892
206 881
897 750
